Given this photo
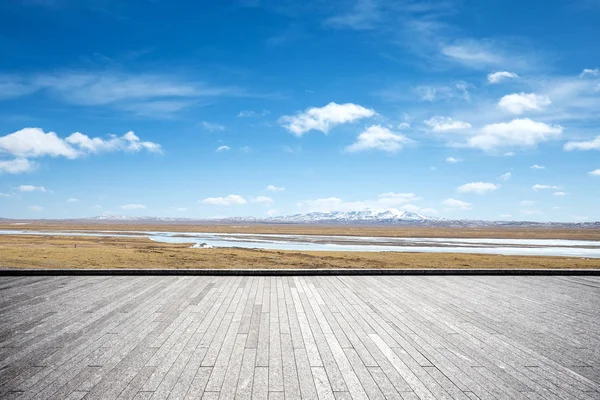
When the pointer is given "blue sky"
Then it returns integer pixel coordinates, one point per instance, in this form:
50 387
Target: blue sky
452 108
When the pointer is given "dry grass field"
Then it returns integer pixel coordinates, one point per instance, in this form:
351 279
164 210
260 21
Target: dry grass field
31 251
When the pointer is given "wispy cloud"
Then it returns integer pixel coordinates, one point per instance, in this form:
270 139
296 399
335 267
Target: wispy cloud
31 188
133 206
384 201
593 144
263 200
232 199
223 148
452 160
457 204
535 166
537 187
273 188
443 124
497 77
212 127
16 166
251 113
505 177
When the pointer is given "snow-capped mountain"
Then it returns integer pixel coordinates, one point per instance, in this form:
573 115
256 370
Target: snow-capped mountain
366 217
387 216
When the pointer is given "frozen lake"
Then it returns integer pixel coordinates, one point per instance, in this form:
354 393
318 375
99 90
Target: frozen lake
534 247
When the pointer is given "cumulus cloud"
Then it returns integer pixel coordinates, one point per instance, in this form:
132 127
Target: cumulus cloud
384 201
593 144
595 172
128 142
457 204
452 160
211 127
325 118
443 124
223 148
516 133
535 166
518 103
16 166
505 177
377 137
263 200
497 77
537 187
230 200
133 206
589 72
31 188
273 188
477 187
34 142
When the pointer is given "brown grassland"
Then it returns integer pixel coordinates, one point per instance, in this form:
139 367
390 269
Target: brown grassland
349 230
34 251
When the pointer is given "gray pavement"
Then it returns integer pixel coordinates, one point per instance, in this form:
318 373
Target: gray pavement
292 337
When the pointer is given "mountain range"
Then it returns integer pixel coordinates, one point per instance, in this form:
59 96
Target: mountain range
367 217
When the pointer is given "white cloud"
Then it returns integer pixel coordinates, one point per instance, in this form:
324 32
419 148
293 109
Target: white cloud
505 177
443 124
478 187
250 113
457 204
272 213
527 203
72 200
246 149
377 137
509 154
392 199
31 188
531 212
453 160
518 103
537 187
497 77
36 208
593 144
473 53
178 209
325 118
223 148
232 199
595 172
535 166
383 201
133 206
273 188
34 142
128 142
560 194
589 72
16 166
431 93
516 133
212 127
263 200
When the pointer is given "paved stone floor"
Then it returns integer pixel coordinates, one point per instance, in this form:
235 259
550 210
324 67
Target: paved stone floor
319 337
